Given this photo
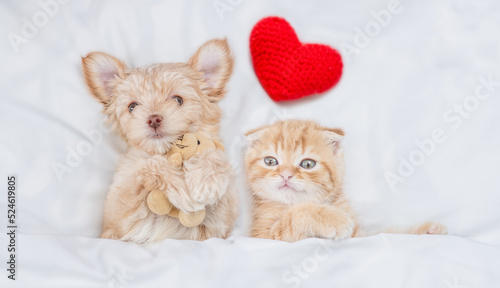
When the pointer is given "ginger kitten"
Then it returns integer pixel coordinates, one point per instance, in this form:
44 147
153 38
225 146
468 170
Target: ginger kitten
295 171
151 107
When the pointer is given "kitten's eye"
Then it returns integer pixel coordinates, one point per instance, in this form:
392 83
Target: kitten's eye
307 163
270 161
178 99
131 106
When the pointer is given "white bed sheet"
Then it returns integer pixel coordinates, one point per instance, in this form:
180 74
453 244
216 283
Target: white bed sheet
397 90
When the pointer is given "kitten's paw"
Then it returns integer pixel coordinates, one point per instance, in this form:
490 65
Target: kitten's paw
312 220
431 228
344 230
343 227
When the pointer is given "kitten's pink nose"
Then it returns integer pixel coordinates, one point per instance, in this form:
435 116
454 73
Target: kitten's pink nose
286 175
154 121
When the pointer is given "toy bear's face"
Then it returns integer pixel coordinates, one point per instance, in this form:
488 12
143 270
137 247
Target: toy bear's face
187 145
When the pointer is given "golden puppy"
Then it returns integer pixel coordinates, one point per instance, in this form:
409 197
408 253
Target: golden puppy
151 107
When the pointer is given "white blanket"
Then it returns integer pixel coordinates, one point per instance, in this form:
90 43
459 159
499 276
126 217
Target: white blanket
419 101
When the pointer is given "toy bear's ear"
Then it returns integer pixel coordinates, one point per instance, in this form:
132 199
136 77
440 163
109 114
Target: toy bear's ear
100 70
214 60
218 145
334 138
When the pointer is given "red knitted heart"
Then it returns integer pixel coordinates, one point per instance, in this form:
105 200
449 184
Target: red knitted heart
288 69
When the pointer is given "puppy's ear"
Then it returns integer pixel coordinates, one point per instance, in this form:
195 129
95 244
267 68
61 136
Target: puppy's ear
100 70
334 138
214 60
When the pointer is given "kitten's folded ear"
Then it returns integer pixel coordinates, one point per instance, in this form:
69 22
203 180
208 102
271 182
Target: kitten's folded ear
334 138
214 60
254 135
100 69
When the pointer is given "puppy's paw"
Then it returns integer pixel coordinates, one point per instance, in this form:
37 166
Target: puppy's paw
179 195
151 173
207 176
431 228
108 233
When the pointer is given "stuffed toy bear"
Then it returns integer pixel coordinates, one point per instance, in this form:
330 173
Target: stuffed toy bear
186 146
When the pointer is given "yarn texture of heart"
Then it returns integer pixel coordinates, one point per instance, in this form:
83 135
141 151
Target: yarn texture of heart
288 69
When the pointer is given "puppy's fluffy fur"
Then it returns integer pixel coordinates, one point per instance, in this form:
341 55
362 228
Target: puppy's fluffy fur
312 203
151 107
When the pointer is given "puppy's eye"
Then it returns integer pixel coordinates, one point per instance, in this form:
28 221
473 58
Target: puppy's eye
270 161
198 142
307 163
131 106
178 99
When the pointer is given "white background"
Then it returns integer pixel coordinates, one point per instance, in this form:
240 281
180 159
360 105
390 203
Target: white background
395 90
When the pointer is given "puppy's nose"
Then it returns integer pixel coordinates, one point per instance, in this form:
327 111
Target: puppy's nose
154 121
